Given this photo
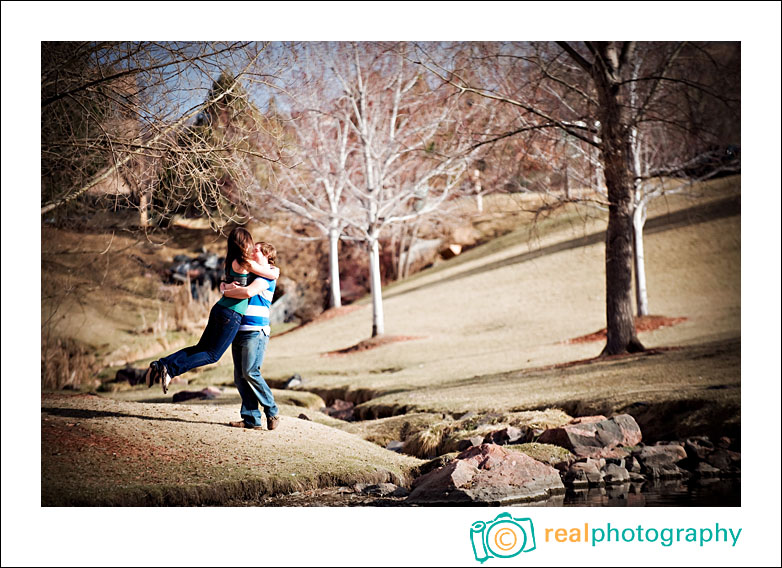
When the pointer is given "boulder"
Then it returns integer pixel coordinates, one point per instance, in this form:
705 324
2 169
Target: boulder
583 474
614 474
703 469
729 463
487 474
660 462
596 439
395 446
698 448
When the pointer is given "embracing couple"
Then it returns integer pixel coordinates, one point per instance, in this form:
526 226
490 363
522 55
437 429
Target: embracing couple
240 319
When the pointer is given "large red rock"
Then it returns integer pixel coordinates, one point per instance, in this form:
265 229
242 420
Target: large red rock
487 474
601 439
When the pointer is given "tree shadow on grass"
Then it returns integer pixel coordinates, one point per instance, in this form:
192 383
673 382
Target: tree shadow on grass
86 414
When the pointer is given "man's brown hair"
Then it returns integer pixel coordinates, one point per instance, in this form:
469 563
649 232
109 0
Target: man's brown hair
268 250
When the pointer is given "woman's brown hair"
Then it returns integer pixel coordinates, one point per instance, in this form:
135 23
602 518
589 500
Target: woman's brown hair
240 249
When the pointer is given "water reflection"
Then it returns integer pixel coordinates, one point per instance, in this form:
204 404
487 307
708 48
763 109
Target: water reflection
674 493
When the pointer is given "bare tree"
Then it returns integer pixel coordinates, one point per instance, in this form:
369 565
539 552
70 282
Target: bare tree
113 114
313 188
412 144
585 91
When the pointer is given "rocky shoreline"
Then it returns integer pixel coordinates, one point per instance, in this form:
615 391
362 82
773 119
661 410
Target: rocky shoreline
601 452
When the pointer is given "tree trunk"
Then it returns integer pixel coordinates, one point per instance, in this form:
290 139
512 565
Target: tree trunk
410 244
641 299
478 190
378 326
143 219
336 291
639 218
615 148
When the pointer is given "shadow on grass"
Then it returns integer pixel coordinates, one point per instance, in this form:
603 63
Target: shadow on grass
86 414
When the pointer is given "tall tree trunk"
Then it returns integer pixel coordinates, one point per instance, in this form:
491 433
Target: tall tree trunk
336 291
641 299
478 190
615 147
378 325
639 218
143 219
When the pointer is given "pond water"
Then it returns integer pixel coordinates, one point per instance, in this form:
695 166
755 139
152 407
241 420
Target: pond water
680 493
692 493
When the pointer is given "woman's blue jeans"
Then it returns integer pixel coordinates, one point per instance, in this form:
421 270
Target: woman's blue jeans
218 335
248 350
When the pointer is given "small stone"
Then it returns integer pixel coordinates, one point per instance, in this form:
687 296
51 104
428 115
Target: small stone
508 435
384 490
294 381
211 392
303 416
395 446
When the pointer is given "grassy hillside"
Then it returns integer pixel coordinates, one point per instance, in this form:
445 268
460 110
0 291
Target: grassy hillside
487 332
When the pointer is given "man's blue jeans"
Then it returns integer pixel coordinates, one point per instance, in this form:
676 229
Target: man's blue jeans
218 335
248 350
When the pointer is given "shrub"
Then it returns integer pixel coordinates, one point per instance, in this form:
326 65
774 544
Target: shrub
66 363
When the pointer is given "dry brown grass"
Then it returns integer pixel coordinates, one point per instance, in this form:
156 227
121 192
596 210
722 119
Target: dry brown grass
97 451
65 363
444 437
385 430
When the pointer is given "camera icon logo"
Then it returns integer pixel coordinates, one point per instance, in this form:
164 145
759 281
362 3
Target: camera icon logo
504 537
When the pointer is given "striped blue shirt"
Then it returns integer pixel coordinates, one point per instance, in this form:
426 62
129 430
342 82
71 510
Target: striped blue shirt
256 318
